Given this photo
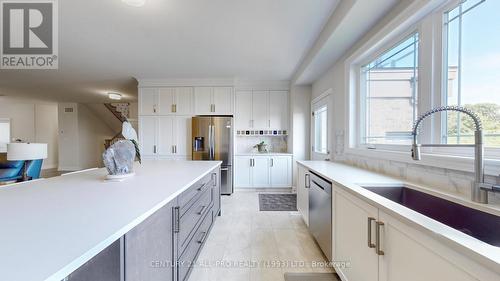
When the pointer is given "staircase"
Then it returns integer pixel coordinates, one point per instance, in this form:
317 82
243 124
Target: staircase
121 112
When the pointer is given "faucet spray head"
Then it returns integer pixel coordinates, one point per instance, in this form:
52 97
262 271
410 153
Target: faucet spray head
415 152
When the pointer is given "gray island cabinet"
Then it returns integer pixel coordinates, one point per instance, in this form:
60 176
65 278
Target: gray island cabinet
165 246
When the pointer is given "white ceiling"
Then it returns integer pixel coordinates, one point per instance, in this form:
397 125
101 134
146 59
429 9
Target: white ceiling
105 44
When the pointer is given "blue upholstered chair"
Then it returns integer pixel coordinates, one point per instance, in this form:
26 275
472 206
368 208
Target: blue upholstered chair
13 170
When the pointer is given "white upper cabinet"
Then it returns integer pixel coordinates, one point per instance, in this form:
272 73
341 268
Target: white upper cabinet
166 97
183 100
148 101
262 110
203 100
223 100
166 101
213 100
243 116
278 110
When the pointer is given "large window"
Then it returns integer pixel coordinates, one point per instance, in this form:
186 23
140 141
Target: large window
320 118
388 94
472 60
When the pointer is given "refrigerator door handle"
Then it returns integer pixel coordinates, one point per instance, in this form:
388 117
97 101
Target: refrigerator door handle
213 142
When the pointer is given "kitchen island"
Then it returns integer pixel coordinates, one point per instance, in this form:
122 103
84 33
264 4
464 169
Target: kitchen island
54 228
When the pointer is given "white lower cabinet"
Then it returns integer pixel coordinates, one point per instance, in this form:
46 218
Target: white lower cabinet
402 252
263 171
165 137
303 193
351 238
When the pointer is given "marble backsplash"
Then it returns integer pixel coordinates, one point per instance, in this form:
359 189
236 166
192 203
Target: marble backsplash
276 144
446 180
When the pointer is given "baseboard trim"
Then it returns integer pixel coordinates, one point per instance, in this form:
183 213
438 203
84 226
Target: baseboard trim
270 189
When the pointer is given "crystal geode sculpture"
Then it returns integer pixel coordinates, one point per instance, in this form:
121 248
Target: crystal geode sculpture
119 158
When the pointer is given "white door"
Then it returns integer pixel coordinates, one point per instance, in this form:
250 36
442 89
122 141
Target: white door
351 238
182 136
203 100
166 101
223 100
243 116
278 110
260 109
242 171
148 101
261 171
303 193
166 139
184 100
148 128
408 251
320 128
281 167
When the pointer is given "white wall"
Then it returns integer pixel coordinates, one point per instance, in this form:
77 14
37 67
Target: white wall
336 79
300 114
33 121
82 135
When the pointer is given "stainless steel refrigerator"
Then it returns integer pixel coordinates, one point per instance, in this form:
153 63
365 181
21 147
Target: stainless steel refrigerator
213 140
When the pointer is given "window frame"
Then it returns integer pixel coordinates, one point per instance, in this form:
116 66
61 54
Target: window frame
360 104
428 21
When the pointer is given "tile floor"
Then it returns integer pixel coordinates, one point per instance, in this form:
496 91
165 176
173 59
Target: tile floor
246 244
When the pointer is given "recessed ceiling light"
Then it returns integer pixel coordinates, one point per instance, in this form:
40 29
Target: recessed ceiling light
114 96
135 3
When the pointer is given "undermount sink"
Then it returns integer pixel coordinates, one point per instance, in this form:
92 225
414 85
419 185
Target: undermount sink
478 224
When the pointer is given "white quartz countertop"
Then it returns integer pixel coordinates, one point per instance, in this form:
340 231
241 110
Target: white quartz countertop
49 228
352 178
264 154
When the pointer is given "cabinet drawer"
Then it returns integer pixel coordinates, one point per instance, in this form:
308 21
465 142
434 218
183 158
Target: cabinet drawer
188 258
188 197
192 216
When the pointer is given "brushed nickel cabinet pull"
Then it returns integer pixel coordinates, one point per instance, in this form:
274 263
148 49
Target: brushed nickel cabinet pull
308 181
203 237
370 221
154 149
378 250
176 220
272 162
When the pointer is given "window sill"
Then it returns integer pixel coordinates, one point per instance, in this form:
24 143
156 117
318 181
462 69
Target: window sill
459 163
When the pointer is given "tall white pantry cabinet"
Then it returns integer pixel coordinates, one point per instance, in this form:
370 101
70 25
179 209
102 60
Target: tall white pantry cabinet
165 117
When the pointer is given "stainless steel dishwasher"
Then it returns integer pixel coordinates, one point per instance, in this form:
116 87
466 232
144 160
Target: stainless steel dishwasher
320 212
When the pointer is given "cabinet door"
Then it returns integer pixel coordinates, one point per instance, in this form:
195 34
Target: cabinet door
166 101
149 251
260 109
242 171
223 100
184 100
105 266
182 136
303 193
281 167
203 100
166 139
148 101
278 110
243 116
351 243
148 128
261 171
408 251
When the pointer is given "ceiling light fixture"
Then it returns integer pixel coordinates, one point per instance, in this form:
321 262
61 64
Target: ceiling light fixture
114 96
135 3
